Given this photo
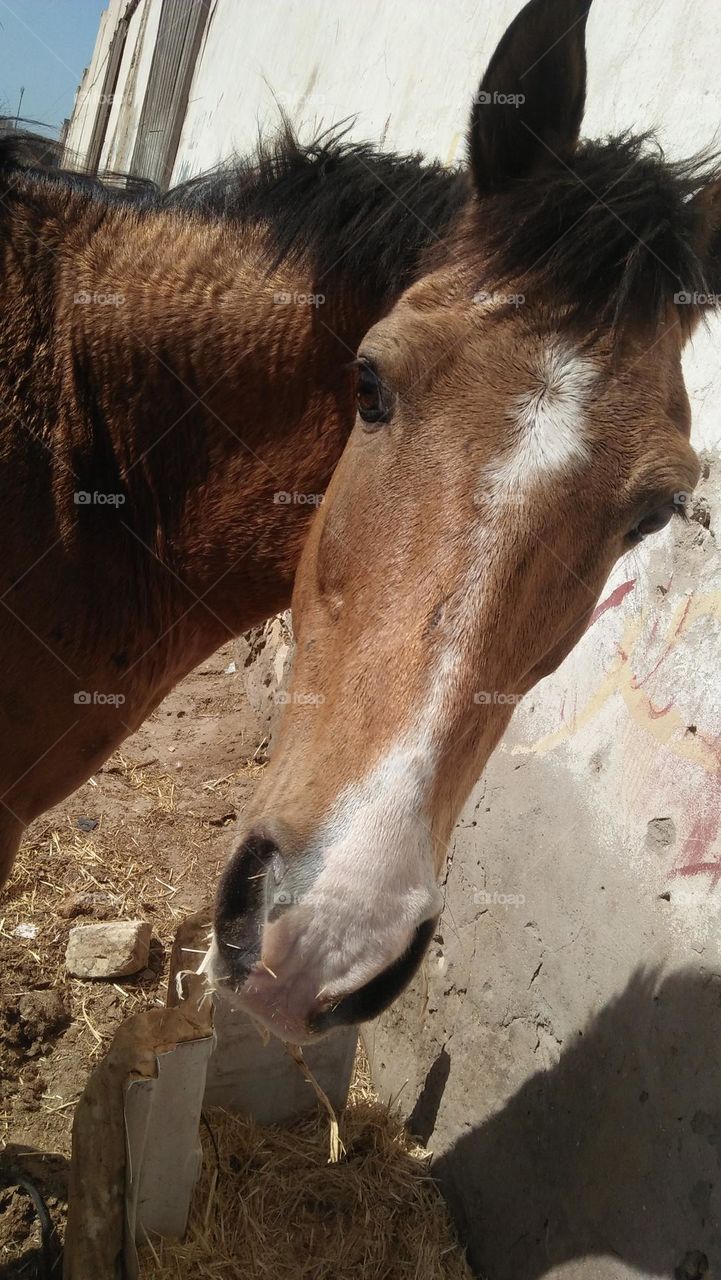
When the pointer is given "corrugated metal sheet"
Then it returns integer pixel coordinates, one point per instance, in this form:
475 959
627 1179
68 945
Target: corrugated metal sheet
110 80
182 23
122 130
84 115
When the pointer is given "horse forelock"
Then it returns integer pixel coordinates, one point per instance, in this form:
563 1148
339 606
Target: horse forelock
610 239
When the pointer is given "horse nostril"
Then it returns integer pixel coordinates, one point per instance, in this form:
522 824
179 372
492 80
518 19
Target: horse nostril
381 991
241 881
238 907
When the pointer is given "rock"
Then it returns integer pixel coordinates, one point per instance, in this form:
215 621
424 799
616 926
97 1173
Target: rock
265 658
701 512
115 949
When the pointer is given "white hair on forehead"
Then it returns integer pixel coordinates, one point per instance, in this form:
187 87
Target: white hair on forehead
549 422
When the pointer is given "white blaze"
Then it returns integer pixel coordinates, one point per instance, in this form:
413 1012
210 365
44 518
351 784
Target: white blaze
378 878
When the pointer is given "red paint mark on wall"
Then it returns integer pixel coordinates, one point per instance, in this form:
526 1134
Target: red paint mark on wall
697 856
699 869
638 682
655 713
613 601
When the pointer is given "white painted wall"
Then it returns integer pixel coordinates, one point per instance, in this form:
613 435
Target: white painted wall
405 72
626 732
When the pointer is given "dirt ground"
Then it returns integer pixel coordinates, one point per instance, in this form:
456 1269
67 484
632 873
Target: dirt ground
144 838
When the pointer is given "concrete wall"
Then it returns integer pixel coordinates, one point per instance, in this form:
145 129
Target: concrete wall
561 1051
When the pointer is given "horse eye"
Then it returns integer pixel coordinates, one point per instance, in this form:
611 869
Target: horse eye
369 394
651 523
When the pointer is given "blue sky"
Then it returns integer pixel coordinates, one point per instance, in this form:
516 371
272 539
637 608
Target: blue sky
44 46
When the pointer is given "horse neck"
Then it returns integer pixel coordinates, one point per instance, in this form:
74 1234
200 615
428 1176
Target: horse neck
214 396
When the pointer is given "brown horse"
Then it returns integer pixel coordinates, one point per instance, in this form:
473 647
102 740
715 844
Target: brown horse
174 396
522 422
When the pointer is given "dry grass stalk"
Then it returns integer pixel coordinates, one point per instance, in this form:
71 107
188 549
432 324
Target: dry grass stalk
274 1208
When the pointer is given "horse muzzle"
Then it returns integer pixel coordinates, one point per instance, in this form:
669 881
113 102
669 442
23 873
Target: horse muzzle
284 952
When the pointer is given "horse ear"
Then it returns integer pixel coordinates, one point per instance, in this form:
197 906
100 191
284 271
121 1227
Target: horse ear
528 111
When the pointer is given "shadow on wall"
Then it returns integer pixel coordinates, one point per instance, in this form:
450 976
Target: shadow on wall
614 1152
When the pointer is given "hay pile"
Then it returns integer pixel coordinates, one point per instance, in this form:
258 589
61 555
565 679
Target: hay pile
269 1205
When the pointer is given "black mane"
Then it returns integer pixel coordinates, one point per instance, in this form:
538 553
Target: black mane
359 214
349 206
613 237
